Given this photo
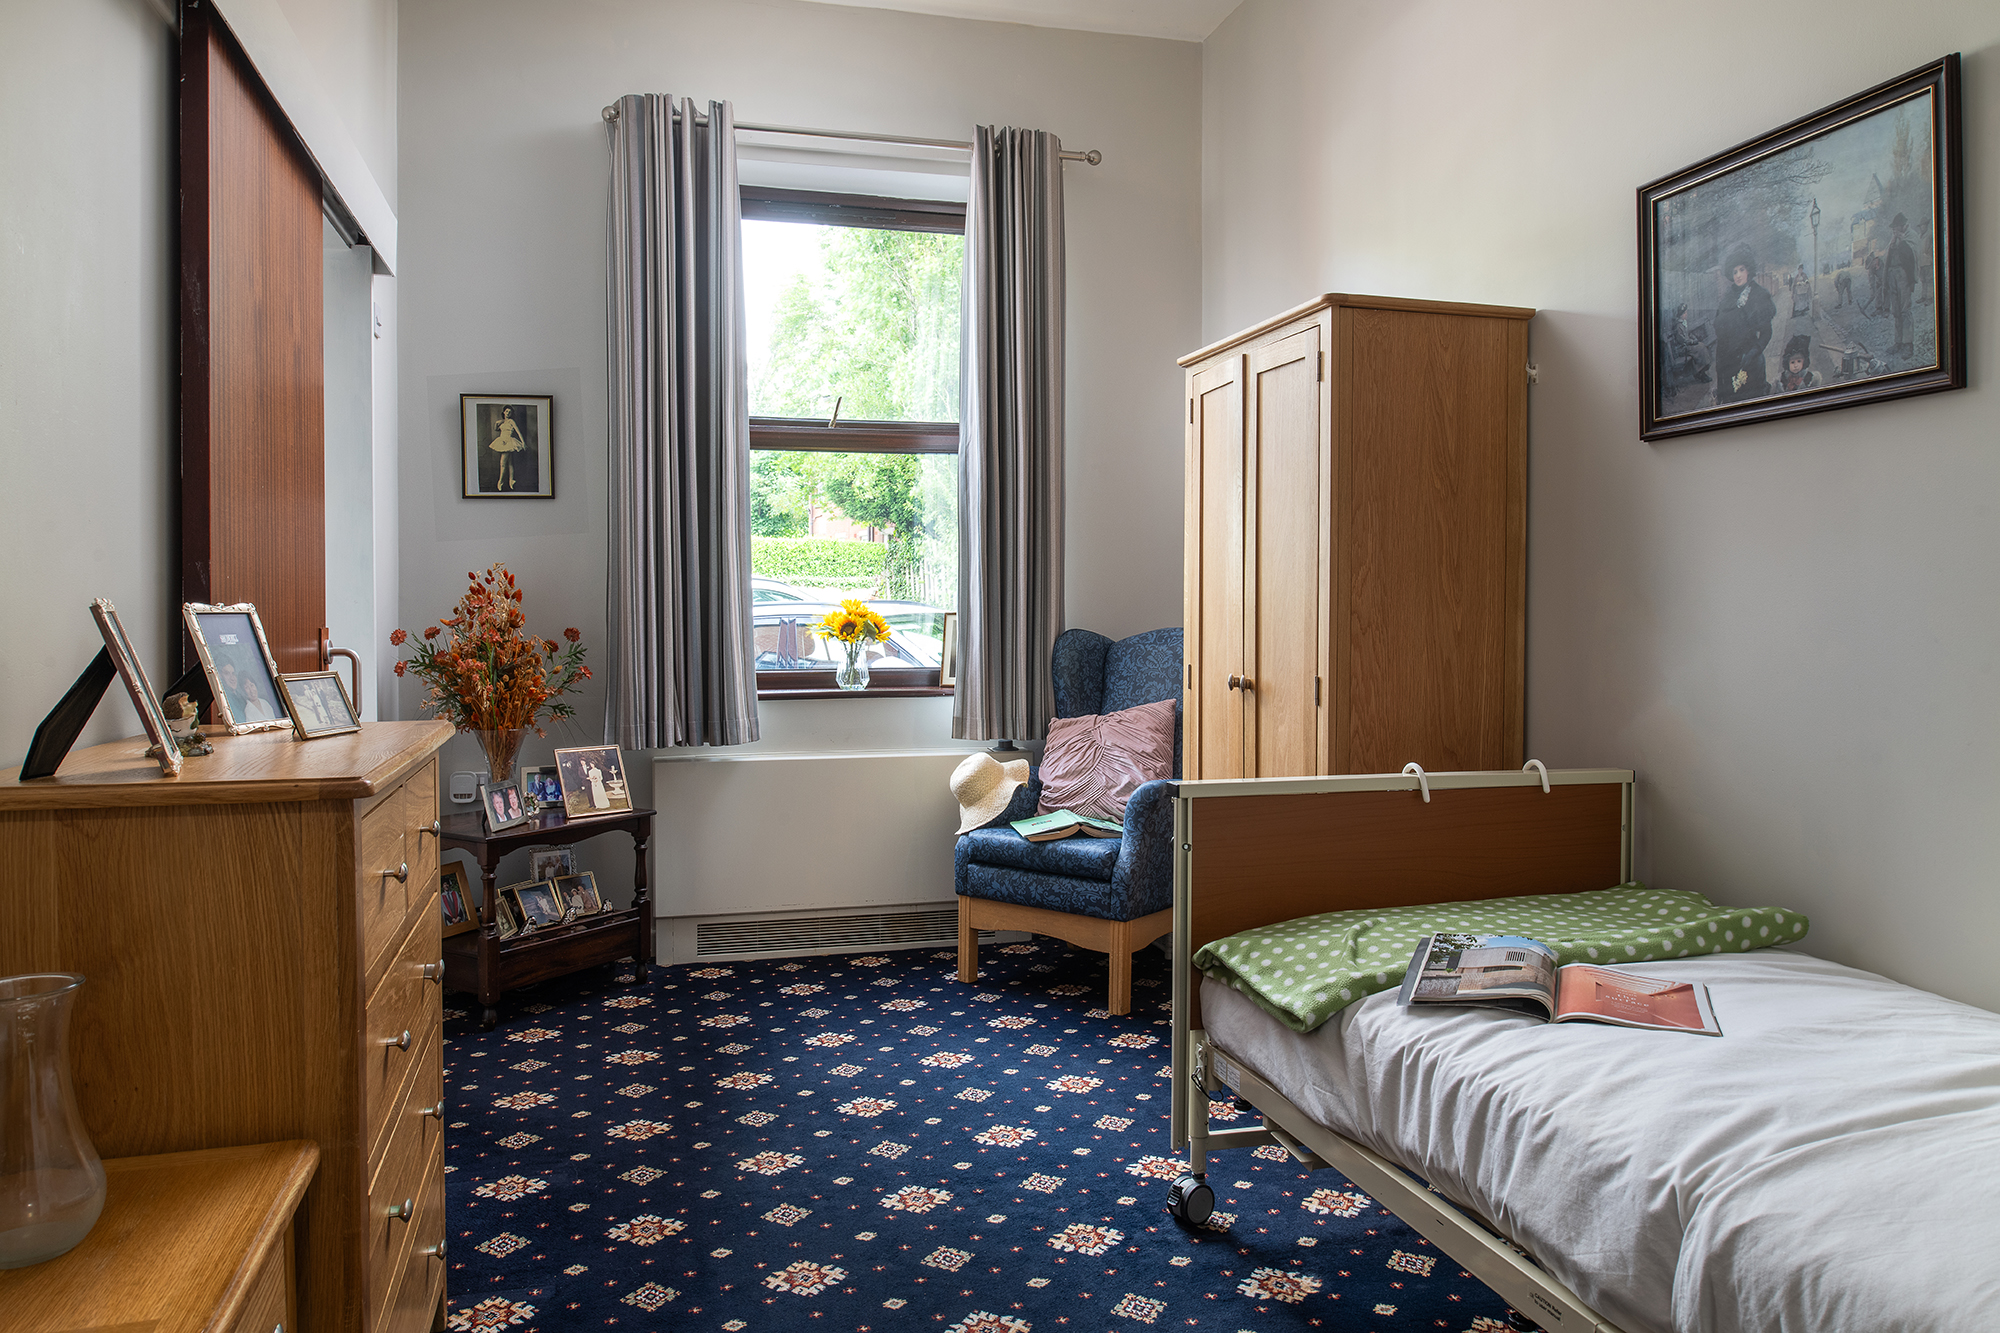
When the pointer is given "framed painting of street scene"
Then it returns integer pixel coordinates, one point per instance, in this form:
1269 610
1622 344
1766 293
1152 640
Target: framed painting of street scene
1817 266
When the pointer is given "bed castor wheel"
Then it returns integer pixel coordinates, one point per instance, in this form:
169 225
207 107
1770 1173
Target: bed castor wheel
1517 1320
1191 1200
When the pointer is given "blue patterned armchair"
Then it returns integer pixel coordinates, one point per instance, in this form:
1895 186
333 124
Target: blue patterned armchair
1114 896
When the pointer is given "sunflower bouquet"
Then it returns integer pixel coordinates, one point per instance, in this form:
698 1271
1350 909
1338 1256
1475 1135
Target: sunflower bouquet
853 623
852 626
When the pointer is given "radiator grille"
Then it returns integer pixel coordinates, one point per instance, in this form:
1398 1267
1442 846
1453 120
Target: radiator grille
830 933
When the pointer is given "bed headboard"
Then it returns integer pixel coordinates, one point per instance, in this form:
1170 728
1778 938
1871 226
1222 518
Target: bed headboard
1253 852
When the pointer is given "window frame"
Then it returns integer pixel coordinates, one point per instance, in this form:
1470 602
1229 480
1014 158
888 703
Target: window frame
762 203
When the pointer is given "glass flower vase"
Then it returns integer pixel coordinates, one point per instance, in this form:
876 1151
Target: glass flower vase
51 1181
501 747
852 673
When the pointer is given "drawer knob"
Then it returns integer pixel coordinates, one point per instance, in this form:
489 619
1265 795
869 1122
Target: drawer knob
434 1251
435 830
435 1112
401 1043
434 971
401 1211
401 872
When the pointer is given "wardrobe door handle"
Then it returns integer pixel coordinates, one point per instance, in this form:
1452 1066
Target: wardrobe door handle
1239 683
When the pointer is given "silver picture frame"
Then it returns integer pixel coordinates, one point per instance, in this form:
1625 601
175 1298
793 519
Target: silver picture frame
317 703
236 657
133 673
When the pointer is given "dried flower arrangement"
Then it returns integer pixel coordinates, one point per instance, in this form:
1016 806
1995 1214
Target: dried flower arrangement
485 671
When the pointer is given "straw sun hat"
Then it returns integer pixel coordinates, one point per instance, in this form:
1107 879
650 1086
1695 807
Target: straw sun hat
983 786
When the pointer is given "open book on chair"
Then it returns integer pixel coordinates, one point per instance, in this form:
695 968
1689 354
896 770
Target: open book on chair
1515 972
1063 824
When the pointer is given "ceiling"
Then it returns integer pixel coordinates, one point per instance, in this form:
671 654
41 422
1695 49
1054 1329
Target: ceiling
1181 20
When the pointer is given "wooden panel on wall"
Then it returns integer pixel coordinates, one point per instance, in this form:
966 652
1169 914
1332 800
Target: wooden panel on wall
253 525
1433 592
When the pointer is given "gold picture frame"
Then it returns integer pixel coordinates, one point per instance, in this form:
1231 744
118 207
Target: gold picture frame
317 703
455 901
236 657
593 781
579 894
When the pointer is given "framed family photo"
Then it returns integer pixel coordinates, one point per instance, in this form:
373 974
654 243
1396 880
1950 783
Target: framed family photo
508 446
455 901
242 675
593 781
500 802
317 703
1814 267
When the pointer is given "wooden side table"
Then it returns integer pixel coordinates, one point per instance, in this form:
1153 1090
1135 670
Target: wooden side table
188 1241
482 963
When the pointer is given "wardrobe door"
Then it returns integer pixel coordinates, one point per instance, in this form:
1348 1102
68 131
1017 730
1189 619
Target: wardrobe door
1212 588
1281 586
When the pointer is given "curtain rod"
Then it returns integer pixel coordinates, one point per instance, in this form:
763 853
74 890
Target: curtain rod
1093 157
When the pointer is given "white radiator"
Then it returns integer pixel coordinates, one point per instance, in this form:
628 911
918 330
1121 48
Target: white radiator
759 854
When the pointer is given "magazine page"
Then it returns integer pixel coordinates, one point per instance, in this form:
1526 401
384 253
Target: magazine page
1512 970
1612 995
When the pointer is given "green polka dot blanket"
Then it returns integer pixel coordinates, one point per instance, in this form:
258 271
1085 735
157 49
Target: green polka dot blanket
1305 971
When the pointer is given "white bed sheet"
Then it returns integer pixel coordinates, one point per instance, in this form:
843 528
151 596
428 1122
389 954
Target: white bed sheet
1832 1162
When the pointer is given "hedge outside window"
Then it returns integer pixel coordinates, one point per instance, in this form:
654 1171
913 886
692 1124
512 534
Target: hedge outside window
852 315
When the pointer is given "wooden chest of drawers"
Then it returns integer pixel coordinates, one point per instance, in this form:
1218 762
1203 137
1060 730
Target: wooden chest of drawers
260 941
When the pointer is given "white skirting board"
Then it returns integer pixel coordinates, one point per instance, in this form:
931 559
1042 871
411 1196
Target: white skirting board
760 854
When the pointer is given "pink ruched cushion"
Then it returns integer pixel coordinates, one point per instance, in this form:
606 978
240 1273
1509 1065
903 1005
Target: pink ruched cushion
1092 765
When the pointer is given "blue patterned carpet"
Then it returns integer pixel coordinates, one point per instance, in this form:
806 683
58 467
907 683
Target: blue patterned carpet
866 1142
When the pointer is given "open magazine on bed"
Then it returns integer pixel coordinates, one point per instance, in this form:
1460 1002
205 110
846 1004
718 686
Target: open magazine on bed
1515 972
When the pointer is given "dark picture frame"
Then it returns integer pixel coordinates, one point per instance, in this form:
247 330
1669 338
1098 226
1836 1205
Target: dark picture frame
501 805
507 446
130 670
588 772
236 658
317 703
948 651
455 901
1847 227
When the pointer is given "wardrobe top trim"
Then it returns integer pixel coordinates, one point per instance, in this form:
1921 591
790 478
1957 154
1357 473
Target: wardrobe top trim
1333 299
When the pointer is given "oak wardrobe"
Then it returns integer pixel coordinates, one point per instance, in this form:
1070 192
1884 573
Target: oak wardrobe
1356 543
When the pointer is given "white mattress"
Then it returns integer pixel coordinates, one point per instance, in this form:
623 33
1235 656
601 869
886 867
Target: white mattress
1832 1162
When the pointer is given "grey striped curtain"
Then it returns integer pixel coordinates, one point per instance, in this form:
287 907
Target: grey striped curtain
681 659
1010 489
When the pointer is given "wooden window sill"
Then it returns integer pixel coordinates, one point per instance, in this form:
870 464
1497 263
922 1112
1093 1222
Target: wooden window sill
872 692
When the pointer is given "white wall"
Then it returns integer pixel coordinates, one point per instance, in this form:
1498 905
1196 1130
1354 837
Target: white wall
502 243
89 351
1788 629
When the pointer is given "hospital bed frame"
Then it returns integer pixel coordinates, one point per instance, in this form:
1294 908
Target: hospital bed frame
1259 851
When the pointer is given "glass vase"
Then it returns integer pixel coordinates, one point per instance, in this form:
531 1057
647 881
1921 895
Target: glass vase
852 673
51 1181
501 747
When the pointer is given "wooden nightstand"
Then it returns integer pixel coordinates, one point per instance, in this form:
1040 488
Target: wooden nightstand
187 1241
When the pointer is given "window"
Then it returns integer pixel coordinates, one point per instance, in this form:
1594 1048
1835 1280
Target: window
851 308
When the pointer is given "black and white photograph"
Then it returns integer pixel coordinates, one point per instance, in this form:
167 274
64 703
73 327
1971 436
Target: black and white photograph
507 445
579 894
501 804
593 781
1816 267
540 904
948 658
317 704
236 658
455 902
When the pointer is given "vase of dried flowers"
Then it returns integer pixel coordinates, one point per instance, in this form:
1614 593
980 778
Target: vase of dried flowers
486 674
853 627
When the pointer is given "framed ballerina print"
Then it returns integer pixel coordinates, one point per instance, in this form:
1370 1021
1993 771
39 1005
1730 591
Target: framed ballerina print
507 446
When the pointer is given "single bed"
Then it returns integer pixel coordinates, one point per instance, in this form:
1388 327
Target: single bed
1831 1162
